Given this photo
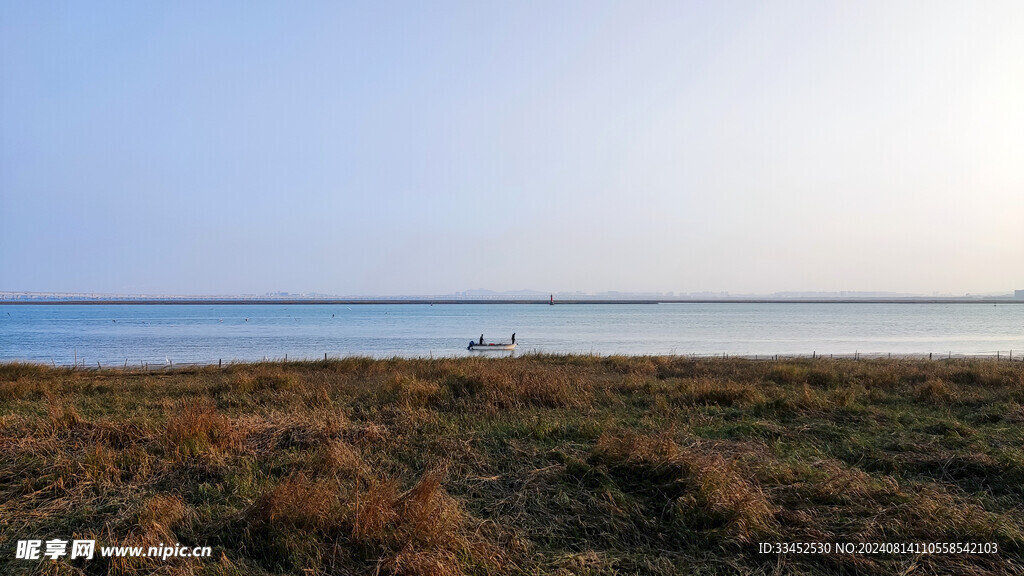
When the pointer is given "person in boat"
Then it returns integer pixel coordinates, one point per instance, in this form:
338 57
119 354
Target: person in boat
481 339
513 337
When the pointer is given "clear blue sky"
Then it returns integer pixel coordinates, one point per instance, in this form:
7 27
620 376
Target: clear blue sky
432 147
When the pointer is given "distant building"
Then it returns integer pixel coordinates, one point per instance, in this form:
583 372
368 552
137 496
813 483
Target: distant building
1018 294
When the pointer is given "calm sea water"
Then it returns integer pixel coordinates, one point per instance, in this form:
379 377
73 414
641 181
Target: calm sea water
113 334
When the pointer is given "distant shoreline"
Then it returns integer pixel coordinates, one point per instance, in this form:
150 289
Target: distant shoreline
350 302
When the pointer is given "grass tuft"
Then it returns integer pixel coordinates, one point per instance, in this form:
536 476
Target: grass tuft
709 492
195 429
934 391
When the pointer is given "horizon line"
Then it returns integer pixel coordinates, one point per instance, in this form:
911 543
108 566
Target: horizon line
524 294
467 301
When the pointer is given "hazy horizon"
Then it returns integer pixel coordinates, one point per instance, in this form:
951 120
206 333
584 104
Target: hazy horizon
521 294
420 148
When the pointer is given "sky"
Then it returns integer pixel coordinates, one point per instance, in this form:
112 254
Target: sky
419 148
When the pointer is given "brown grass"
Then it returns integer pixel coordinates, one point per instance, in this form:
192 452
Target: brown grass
935 391
337 458
709 492
298 503
532 465
712 391
194 429
410 392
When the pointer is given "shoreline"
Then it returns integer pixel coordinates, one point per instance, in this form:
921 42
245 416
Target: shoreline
142 366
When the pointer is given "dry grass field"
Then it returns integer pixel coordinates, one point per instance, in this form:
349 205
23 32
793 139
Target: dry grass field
532 465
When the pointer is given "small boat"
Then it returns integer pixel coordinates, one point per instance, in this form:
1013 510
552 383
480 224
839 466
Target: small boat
491 346
480 345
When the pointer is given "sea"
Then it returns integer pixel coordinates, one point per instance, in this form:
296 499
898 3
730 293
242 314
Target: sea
158 334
